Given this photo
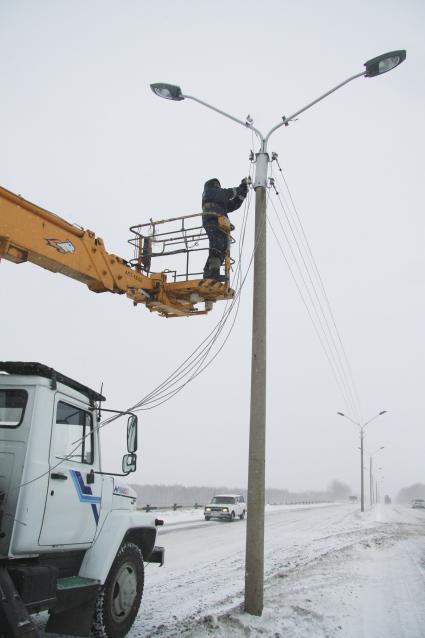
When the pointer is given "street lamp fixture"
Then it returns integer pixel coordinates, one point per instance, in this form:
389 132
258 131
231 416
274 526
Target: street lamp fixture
254 563
384 63
168 91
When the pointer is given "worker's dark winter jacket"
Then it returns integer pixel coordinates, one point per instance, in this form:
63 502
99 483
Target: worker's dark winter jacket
220 201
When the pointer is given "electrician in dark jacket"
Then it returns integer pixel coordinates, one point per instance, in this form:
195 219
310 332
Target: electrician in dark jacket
216 202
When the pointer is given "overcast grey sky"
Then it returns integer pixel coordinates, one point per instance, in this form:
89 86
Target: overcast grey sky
83 136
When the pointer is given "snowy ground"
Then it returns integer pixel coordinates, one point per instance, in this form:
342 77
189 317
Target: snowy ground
330 571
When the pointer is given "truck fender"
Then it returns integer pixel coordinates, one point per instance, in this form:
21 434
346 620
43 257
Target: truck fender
119 526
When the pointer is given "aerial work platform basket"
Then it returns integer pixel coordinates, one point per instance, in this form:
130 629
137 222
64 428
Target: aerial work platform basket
174 251
165 274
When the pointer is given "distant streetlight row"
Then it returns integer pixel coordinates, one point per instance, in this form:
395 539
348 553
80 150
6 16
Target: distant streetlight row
361 428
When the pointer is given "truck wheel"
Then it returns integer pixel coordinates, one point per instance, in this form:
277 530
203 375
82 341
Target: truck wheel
119 599
207 518
242 516
232 517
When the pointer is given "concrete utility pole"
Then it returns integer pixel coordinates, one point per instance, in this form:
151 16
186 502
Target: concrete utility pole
254 560
361 471
379 490
254 570
370 482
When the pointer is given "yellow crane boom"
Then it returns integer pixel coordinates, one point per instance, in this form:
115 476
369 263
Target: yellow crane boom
30 233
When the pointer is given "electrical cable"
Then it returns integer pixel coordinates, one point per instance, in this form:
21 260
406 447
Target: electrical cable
210 338
303 246
219 328
199 369
197 357
316 329
316 304
325 296
317 309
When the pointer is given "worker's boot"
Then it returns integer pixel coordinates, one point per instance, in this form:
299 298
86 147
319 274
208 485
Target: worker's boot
214 270
207 268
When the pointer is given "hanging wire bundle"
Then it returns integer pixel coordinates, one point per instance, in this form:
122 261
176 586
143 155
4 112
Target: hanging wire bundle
209 348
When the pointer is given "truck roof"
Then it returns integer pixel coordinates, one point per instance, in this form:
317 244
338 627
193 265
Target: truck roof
27 368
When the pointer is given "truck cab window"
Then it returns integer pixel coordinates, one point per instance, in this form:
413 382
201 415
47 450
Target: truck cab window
73 434
12 407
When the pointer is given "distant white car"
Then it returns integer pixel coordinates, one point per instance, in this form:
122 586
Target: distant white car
418 503
226 506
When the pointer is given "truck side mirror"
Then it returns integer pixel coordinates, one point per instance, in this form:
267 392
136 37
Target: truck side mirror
132 433
129 463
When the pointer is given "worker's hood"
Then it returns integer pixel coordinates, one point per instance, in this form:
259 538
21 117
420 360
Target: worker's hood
212 183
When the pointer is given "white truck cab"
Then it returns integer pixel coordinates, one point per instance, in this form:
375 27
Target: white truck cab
225 506
71 539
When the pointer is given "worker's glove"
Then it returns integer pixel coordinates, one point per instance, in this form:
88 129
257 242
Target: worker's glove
243 187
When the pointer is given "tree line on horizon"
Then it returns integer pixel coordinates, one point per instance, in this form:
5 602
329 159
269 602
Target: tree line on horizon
407 494
166 495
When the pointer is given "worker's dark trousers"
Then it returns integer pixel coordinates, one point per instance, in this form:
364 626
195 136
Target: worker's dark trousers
218 246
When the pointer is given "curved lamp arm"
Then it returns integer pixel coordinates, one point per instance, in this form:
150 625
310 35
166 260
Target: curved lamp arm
286 120
373 67
375 417
231 117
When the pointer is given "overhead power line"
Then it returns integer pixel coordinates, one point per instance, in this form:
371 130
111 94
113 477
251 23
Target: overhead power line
316 326
323 289
308 279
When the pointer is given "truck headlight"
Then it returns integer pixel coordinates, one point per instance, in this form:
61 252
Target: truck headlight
225 509
208 509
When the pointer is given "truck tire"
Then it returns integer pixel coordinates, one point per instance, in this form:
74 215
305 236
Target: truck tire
232 517
207 518
242 516
118 601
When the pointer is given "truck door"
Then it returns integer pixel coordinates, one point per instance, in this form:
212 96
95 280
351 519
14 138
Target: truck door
73 500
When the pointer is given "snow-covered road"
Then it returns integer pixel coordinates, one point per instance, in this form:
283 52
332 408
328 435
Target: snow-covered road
330 571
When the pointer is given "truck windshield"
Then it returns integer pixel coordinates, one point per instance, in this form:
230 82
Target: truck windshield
12 407
223 500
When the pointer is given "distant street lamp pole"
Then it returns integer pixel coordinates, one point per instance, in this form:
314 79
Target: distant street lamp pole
361 428
254 565
376 484
370 473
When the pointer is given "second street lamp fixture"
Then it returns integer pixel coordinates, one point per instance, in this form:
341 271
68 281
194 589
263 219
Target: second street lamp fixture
384 63
254 563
